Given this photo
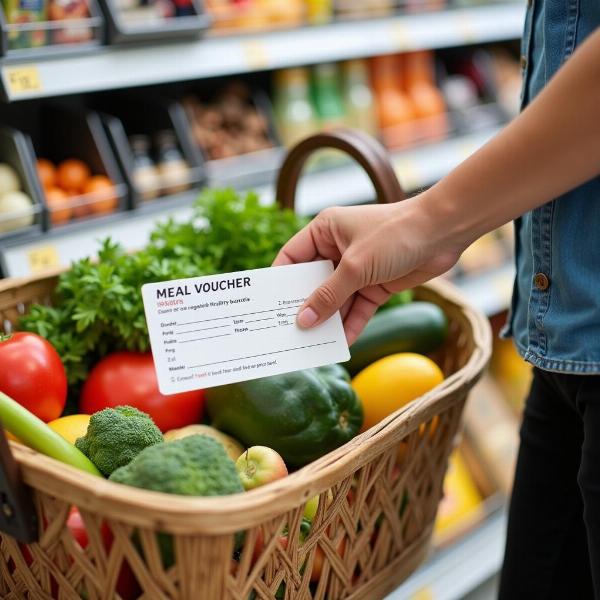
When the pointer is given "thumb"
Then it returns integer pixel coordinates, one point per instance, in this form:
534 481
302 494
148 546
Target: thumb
330 296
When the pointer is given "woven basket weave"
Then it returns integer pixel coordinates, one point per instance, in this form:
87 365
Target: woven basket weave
378 500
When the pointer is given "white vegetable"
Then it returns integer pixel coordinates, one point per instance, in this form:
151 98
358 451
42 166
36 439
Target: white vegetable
9 180
15 211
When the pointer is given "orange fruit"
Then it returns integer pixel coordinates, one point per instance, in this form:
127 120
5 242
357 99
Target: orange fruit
79 205
58 204
71 427
103 198
391 382
72 175
46 172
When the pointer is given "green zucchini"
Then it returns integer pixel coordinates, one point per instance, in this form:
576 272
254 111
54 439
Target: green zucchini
416 327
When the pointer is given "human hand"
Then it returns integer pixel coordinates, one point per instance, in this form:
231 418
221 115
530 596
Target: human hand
377 249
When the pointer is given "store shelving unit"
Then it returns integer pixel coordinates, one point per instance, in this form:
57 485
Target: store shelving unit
119 67
452 573
346 184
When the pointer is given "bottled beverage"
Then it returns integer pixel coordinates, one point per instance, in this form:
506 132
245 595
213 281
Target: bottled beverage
358 96
327 96
395 110
427 99
293 109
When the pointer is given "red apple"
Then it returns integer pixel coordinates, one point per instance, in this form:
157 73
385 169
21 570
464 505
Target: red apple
260 465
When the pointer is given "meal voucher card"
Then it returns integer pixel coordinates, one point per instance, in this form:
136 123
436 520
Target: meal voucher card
219 329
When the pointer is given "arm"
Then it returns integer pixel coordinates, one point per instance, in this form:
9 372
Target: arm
553 146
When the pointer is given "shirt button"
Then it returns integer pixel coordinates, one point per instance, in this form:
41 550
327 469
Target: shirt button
523 62
541 282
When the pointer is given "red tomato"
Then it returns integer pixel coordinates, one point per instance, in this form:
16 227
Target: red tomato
129 378
127 585
33 375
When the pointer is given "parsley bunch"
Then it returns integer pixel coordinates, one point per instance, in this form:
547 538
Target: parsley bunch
98 306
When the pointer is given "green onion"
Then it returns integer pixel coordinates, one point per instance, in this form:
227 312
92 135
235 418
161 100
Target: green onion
33 432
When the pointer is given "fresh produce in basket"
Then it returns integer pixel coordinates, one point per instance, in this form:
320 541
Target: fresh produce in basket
233 448
302 415
416 327
97 305
71 427
115 436
32 373
260 465
196 465
391 382
130 378
33 432
127 586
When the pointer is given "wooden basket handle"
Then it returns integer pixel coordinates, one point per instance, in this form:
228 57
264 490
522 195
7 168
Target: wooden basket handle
363 148
17 513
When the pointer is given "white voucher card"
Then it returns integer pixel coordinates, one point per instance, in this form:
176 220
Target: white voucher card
219 329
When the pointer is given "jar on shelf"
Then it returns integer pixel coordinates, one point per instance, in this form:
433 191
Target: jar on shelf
173 169
145 174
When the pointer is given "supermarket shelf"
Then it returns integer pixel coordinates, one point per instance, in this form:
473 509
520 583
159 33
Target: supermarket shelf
120 67
347 184
452 573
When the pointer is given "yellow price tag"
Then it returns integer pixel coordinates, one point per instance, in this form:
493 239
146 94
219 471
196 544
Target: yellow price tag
43 258
423 594
401 37
256 54
22 79
409 173
466 28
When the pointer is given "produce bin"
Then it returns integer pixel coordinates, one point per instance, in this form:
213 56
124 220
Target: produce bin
16 151
247 168
65 133
72 34
135 27
378 494
123 117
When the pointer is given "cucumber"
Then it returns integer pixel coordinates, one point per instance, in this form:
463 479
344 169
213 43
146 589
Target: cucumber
416 327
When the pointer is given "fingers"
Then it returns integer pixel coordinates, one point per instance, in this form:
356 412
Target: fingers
362 310
331 295
300 248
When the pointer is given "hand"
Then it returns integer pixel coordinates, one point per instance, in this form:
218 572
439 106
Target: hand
377 249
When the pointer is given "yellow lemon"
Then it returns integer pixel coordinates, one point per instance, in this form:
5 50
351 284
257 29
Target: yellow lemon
391 382
71 427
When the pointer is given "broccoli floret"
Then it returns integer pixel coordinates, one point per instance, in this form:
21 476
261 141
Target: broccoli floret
115 436
196 465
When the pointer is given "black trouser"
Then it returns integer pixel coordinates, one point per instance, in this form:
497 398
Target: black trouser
553 540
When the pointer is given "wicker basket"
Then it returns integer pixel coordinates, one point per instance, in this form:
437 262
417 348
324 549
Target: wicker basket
378 494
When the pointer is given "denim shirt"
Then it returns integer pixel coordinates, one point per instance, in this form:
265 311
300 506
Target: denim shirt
555 313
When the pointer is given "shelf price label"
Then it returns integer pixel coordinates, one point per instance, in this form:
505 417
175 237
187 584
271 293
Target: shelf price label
423 594
401 36
22 79
43 258
255 52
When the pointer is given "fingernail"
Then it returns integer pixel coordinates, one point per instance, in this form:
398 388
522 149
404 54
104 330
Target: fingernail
307 317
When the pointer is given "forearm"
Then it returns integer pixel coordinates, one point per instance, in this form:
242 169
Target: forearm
552 147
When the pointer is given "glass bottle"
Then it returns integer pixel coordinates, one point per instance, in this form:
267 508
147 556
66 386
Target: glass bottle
173 169
395 110
145 175
327 96
359 97
430 107
293 109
